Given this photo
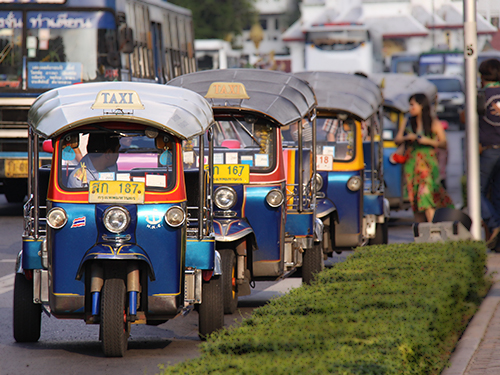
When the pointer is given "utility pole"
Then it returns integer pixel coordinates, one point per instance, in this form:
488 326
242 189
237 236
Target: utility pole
471 120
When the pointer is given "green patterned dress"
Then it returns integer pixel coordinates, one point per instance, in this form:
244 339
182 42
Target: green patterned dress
421 171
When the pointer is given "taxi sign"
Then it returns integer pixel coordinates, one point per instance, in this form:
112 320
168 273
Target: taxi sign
117 99
231 173
227 90
116 192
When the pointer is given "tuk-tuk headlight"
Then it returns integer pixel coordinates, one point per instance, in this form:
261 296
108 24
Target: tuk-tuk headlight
225 197
319 181
57 218
275 198
175 216
354 183
116 219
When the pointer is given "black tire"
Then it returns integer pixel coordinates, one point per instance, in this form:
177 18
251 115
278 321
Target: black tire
27 315
229 288
381 234
211 309
15 190
114 327
312 263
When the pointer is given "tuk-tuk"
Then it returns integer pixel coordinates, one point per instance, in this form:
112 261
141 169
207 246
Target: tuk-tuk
397 90
115 233
350 197
264 217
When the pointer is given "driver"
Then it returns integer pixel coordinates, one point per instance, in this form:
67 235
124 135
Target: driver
102 154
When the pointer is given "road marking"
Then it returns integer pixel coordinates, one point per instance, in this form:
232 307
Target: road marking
6 283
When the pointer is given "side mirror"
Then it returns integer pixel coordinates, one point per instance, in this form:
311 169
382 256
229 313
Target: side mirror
126 40
47 146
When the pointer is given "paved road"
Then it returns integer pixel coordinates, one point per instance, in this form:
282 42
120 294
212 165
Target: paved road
71 347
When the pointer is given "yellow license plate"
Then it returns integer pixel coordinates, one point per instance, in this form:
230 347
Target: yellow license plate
231 174
16 168
116 192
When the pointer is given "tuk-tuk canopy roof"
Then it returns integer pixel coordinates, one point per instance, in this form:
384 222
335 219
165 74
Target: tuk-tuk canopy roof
397 89
342 92
281 96
180 112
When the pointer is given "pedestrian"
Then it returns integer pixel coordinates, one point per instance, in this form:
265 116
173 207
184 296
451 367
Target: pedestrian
489 147
423 134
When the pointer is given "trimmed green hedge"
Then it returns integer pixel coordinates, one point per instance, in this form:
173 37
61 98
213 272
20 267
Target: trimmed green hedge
396 309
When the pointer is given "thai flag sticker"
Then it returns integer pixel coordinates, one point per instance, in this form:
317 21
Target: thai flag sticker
78 222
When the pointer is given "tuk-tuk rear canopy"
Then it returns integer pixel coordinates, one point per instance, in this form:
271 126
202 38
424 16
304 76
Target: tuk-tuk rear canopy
174 110
344 92
281 96
398 88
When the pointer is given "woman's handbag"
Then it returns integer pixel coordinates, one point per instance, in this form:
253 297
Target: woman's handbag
399 157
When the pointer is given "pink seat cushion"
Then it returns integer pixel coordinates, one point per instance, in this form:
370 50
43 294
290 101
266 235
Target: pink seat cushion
231 143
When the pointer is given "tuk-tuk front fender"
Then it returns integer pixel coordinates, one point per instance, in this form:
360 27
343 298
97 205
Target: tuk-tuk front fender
229 230
324 206
123 252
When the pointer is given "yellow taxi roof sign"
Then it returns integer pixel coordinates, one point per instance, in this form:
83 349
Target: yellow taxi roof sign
227 90
117 99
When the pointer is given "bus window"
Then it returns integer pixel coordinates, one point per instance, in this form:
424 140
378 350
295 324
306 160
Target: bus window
51 48
10 49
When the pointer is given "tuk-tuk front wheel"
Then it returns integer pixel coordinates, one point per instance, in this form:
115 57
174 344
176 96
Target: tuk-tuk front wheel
381 234
27 315
115 328
211 309
229 287
312 262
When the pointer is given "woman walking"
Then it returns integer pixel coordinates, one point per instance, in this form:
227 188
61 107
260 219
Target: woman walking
423 135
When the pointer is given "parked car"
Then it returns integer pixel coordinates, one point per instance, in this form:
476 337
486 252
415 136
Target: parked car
451 97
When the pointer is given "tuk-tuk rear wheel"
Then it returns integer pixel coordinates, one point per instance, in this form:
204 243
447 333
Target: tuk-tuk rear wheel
114 326
27 315
211 309
312 262
229 287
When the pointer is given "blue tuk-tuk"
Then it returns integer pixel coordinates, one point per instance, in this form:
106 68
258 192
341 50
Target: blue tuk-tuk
264 197
397 90
350 198
115 233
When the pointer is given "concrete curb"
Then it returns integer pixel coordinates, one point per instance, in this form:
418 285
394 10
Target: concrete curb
470 340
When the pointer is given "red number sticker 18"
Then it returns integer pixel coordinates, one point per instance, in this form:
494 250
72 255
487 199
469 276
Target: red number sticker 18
324 162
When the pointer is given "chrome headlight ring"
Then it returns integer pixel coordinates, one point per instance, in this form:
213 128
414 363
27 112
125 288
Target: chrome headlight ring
57 218
275 198
116 219
225 197
319 181
175 216
354 183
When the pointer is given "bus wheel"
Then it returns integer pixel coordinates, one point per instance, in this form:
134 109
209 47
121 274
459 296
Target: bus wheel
229 287
381 234
211 309
312 262
27 315
114 326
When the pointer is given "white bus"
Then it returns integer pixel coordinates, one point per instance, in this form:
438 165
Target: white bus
46 44
216 54
345 48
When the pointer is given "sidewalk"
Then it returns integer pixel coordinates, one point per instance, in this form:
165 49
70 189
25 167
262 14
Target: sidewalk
478 351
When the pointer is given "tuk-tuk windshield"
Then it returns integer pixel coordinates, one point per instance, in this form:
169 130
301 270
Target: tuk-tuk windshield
336 137
238 140
141 156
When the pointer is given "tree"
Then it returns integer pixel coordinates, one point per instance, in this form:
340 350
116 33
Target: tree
219 19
